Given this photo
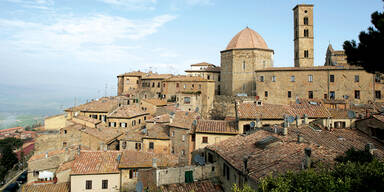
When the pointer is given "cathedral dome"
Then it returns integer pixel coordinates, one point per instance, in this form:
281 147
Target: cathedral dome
247 38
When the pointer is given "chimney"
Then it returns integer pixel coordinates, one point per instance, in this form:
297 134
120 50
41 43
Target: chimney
369 147
306 119
154 163
328 123
46 154
285 131
300 139
307 160
245 161
298 120
258 123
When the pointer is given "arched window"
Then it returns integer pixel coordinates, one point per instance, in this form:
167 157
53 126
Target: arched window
305 20
306 33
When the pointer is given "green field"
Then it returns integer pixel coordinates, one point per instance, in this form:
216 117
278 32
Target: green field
9 120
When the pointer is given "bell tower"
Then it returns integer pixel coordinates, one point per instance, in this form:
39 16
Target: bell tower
303 35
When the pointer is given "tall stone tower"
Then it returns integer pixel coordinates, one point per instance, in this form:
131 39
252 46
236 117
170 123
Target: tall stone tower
303 35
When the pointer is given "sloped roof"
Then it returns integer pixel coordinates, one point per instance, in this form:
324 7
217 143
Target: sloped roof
157 102
250 110
216 126
127 111
105 134
59 187
183 119
311 109
188 79
104 104
198 186
96 162
379 117
139 159
203 64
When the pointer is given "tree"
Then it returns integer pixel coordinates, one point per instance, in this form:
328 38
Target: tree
11 141
8 157
369 52
353 155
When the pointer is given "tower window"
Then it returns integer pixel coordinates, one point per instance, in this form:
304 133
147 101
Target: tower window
331 78
208 77
306 33
266 94
310 94
289 94
305 20
310 78
261 78
378 94
357 78
243 65
292 78
332 95
357 94
273 78
306 54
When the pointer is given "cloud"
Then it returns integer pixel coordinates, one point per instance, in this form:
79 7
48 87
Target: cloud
74 34
133 4
35 4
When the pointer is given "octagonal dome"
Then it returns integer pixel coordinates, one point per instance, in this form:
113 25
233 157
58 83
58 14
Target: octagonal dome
247 38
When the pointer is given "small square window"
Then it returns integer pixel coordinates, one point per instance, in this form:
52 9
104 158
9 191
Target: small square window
104 184
331 78
88 184
205 140
151 145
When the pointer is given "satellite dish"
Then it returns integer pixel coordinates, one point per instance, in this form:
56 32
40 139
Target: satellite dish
252 124
351 114
139 186
291 119
199 160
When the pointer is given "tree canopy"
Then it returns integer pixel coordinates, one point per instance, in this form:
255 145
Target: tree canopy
368 53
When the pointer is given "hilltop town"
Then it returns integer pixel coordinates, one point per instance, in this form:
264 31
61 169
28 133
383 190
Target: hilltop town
215 126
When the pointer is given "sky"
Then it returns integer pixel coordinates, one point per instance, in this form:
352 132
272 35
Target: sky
57 53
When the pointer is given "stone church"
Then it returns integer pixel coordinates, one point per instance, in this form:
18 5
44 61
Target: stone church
247 69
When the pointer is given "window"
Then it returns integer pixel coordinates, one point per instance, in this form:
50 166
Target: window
205 140
306 54
226 171
325 96
378 94
208 77
104 184
289 94
243 65
65 131
185 86
357 94
158 84
124 145
332 95
219 78
153 84
310 94
187 100
177 84
193 86
266 93
357 78
305 20
331 78
138 146
139 121
173 133
261 79
273 78
151 145
88 184
377 78
183 152
306 33
133 122
310 78
292 78
183 137
193 137
133 173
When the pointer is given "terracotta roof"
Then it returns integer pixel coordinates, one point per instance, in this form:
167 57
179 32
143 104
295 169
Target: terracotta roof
183 119
157 131
267 152
59 187
42 155
65 166
104 104
334 101
198 186
337 139
216 126
127 111
339 113
203 64
310 108
132 135
157 102
159 119
314 68
188 78
105 134
132 74
247 38
88 119
250 110
96 162
156 76
138 159
12 129
379 117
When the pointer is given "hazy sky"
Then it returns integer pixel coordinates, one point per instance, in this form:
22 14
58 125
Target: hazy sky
54 50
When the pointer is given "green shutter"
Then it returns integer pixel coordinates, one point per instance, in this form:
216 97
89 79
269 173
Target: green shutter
189 177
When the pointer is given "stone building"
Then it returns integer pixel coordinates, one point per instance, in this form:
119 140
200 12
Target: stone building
151 105
372 126
127 117
245 53
335 57
207 71
128 82
153 83
209 132
303 35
